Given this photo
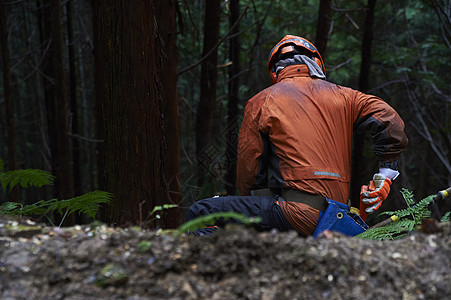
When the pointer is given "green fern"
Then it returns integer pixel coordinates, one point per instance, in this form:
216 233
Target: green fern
86 204
391 231
8 207
416 211
408 197
409 219
446 217
26 178
206 220
14 208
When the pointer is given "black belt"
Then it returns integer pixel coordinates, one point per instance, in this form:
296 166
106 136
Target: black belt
315 201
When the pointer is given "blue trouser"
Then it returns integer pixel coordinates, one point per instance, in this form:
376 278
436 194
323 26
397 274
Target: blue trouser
265 207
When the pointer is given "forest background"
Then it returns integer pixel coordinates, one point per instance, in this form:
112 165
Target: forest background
144 99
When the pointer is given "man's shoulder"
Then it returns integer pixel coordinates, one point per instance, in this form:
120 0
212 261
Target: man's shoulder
261 96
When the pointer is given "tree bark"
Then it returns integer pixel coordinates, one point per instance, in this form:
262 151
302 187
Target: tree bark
56 99
9 103
357 178
73 99
365 66
232 105
166 18
206 107
322 27
128 56
100 43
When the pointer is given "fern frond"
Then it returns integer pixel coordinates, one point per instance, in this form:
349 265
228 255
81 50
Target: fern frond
382 233
8 207
88 203
408 196
391 231
417 211
446 217
409 218
26 178
210 219
14 208
402 225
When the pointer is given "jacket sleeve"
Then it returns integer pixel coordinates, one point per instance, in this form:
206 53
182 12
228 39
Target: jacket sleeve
250 148
384 124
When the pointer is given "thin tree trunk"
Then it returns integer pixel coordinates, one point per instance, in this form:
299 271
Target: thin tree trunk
128 57
39 103
166 18
232 105
55 90
99 30
9 104
56 99
206 107
357 178
365 66
322 27
73 99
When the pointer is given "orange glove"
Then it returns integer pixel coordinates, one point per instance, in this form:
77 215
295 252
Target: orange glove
372 195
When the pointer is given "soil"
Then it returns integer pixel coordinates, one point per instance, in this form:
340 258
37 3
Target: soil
99 262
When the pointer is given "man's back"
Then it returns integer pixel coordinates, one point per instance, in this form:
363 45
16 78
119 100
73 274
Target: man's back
308 123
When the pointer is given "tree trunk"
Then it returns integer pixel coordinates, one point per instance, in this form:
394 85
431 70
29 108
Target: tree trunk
232 105
100 46
322 27
166 18
206 107
56 99
9 104
128 55
357 178
365 66
73 100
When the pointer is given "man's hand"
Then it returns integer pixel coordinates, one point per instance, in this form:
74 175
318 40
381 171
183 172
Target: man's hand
372 195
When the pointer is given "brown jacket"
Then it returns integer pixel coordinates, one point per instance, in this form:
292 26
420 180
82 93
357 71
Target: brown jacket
297 134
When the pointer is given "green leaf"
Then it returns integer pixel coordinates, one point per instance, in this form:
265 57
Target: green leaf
409 218
9 207
161 208
446 217
88 203
210 219
26 178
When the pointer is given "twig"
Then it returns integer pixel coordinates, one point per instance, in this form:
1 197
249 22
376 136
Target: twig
216 46
141 213
86 139
385 84
340 65
64 217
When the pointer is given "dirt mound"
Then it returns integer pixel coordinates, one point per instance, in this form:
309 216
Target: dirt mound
237 263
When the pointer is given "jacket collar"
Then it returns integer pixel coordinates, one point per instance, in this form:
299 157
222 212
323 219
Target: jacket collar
293 71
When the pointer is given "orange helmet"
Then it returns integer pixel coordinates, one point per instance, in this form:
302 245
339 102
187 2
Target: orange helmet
288 44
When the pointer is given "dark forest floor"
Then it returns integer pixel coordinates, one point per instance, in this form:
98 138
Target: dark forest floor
86 262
